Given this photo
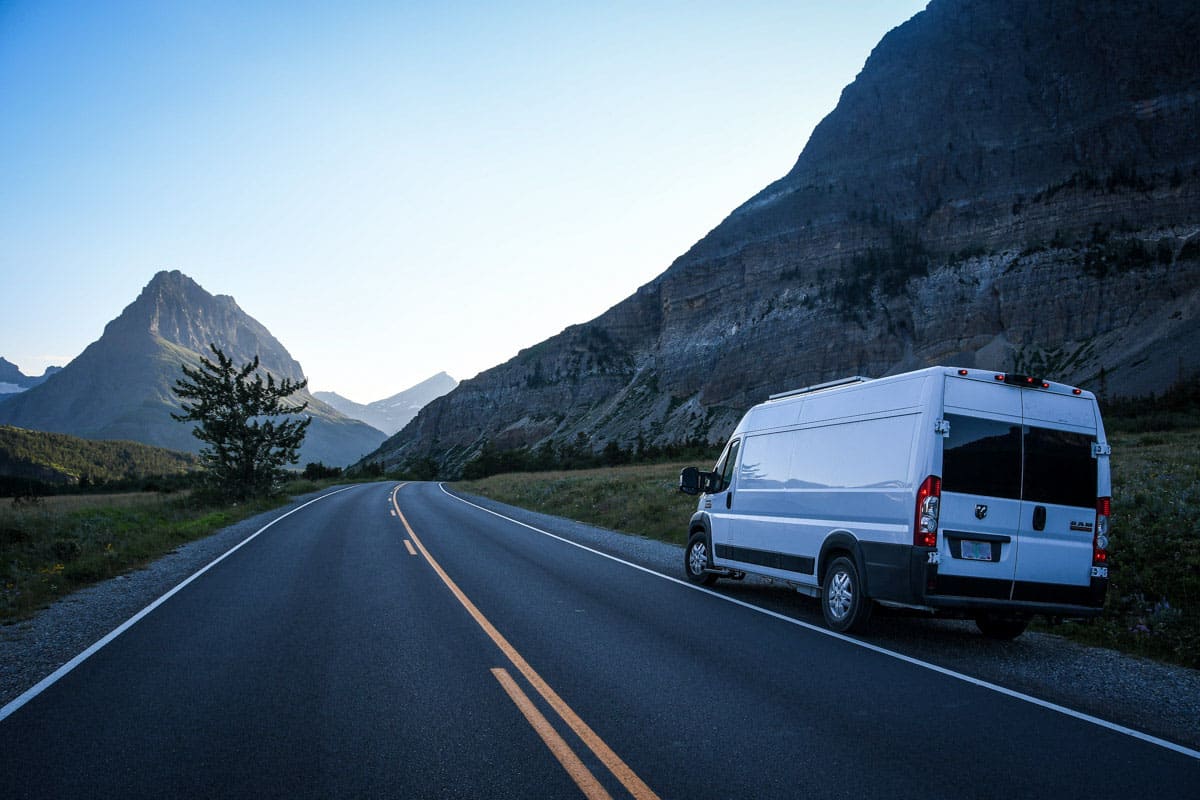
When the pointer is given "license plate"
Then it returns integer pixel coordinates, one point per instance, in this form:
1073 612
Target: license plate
977 551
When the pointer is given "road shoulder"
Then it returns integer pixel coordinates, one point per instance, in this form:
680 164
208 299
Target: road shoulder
1159 699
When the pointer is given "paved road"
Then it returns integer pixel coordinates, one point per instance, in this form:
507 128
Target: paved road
403 643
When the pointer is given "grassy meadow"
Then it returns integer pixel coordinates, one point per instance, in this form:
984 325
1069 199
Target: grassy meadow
642 499
51 546
1153 605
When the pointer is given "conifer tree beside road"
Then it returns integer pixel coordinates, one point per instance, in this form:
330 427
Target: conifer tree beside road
246 447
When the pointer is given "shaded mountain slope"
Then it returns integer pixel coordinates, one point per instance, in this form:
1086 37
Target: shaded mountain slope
1006 184
60 459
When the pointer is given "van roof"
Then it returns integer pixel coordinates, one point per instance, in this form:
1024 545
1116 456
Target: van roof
821 386
991 376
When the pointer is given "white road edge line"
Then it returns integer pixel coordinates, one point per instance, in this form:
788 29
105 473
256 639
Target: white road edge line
55 676
1070 712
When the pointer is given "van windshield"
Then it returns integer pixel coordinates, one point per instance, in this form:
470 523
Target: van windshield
724 468
1002 459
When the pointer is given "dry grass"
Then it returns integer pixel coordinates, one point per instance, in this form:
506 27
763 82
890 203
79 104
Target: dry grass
55 545
641 499
66 503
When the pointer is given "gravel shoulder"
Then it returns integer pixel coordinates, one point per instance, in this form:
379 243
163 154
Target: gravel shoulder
1154 698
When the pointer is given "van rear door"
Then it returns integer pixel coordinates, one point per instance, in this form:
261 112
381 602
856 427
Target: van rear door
1059 497
981 505
1018 493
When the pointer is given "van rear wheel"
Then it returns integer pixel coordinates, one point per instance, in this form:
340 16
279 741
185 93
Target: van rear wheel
695 560
994 626
843 603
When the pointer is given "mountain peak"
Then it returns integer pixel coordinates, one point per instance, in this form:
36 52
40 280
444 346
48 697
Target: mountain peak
393 413
13 380
166 277
174 308
120 387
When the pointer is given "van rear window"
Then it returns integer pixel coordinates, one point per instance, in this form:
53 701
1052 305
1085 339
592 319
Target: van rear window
1059 468
984 457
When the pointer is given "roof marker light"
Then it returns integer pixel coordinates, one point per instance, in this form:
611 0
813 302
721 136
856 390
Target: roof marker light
1077 391
962 372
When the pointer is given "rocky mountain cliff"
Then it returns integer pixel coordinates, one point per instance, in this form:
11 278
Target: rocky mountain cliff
392 413
1009 184
120 386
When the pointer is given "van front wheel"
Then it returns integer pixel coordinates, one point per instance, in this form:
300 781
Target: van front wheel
843 603
695 560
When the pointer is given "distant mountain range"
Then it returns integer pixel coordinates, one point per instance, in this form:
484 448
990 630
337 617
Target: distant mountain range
393 413
120 386
1007 184
12 380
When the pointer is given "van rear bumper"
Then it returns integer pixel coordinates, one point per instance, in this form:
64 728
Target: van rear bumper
905 574
1015 606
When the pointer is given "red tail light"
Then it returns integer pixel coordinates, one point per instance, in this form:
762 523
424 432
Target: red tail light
925 521
1100 539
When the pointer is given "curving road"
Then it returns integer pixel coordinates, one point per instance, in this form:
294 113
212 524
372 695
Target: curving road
387 641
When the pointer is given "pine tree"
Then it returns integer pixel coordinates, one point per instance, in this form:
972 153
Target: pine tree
245 447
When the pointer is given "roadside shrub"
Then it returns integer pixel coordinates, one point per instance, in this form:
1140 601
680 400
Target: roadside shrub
316 471
1153 603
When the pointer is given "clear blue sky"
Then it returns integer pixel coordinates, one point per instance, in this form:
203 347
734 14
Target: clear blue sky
392 188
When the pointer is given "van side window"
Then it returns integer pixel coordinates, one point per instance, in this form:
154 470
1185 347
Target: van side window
725 468
1059 468
983 457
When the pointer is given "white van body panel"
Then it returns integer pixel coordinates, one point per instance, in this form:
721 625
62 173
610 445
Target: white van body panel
792 492
841 467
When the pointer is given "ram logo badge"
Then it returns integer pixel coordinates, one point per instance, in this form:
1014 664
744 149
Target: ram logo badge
980 511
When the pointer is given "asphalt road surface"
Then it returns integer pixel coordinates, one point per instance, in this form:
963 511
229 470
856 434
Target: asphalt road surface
400 642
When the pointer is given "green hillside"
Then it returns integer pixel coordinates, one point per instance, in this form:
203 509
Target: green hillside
36 459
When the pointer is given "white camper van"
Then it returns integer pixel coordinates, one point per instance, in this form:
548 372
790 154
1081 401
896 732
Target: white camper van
959 491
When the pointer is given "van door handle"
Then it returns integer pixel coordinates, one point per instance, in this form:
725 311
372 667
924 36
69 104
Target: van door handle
729 499
1039 518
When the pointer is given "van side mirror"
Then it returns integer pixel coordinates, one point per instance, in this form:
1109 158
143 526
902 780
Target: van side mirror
693 481
689 480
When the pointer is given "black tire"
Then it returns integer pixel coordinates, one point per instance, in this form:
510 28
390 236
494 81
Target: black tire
843 602
994 626
695 559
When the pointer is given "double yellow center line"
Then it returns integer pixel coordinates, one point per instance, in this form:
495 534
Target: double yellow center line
561 750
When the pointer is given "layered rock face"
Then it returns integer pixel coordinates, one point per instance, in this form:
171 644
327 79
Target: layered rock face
1010 185
120 387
